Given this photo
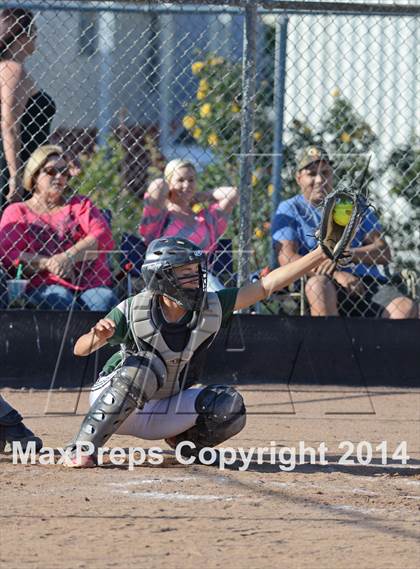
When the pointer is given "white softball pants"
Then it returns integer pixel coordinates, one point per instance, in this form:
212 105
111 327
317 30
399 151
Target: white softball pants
159 418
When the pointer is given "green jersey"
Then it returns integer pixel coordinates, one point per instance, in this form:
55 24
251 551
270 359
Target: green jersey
175 331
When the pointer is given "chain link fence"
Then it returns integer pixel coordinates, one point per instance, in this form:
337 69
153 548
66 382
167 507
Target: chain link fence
236 91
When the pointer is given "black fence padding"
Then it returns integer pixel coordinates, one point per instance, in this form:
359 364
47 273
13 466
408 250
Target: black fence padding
36 350
337 351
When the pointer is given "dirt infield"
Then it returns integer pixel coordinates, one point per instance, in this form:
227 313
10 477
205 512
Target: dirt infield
173 516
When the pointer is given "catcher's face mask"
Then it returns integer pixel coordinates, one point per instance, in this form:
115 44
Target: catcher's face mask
188 276
190 283
177 269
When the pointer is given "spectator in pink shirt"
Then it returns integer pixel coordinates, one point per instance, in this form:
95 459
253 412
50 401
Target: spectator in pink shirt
60 241
169 210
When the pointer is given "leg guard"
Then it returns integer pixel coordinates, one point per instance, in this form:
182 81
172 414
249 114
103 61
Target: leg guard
221 415
133 384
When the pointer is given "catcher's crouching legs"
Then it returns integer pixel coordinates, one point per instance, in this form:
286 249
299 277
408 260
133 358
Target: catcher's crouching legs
221 415
133 384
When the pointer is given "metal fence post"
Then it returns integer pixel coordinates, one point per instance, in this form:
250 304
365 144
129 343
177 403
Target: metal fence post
166 53
106 45
278 103
247 124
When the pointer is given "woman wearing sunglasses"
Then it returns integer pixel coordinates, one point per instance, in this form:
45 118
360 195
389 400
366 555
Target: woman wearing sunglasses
60 241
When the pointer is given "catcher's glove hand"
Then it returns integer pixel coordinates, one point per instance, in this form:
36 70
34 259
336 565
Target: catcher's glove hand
340 218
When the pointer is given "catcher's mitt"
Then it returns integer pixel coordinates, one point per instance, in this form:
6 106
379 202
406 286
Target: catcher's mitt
335 238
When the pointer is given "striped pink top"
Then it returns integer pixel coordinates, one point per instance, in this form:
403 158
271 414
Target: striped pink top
209 225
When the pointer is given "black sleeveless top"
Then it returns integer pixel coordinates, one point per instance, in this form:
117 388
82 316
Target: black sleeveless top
35 128
35 123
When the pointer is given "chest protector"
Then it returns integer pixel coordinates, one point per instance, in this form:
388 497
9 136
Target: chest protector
143 329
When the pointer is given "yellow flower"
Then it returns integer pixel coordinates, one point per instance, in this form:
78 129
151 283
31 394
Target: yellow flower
197 132
197 66
216 60
188 122
197 207
203 85
256 176
201 95
205 110
335 92
270 189
257 135
235 108
259 233
213 139
345 137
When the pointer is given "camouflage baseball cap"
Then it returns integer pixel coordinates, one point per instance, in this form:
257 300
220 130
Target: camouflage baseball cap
311 154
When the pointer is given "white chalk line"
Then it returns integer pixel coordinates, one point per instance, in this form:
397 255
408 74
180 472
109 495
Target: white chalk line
136 482
178 496
348 508
155 495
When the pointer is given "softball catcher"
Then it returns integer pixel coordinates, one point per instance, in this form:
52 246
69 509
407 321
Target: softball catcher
144 389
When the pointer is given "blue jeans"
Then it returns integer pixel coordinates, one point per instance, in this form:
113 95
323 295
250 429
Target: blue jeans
57 297
3 290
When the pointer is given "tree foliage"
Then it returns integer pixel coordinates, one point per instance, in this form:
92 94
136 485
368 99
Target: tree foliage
101 179
213 120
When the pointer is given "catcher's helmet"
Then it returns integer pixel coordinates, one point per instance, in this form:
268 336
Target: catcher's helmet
162 257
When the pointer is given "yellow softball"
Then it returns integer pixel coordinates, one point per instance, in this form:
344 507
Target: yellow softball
342 213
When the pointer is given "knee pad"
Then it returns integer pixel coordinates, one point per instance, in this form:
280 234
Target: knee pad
221 415
133 384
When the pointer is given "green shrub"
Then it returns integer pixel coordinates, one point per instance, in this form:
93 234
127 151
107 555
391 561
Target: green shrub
101 180
403 170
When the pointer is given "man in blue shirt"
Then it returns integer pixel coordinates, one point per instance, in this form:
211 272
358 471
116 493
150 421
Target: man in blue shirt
359 290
